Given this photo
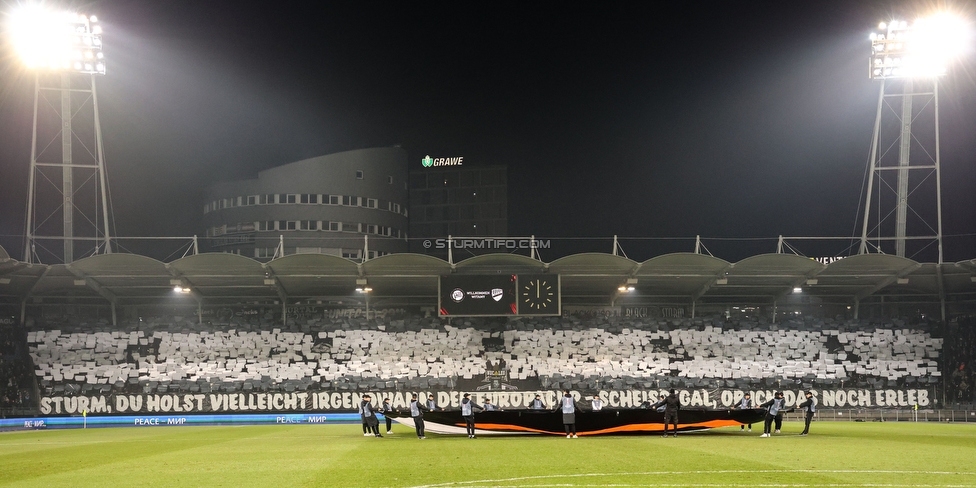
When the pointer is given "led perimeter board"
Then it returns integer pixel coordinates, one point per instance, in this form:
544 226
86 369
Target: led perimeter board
498 295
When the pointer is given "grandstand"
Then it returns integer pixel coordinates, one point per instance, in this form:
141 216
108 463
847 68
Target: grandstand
421 354
112 325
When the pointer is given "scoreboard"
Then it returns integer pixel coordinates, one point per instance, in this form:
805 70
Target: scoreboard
499 295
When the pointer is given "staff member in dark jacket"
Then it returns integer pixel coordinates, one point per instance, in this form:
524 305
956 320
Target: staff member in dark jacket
773 407
744 404
671 405
417 410
370 415
809 408
568 406
468 408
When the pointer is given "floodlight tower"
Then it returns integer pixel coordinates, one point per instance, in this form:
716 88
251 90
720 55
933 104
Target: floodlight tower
64 50
908 59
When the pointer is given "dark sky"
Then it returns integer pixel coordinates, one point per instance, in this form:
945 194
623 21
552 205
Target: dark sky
643 119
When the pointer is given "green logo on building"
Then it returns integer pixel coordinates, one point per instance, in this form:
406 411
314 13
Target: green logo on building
428 162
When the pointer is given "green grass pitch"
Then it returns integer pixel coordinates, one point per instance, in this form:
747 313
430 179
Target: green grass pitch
836 454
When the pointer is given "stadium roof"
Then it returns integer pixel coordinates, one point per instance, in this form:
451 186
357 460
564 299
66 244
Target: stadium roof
586 278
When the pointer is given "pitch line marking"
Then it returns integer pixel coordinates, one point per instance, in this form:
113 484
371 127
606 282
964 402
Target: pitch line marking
724 471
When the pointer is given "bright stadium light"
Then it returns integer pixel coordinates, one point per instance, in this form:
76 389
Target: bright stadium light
60 41
924 49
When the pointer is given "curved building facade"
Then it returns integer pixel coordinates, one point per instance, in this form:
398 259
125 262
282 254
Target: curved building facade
345 204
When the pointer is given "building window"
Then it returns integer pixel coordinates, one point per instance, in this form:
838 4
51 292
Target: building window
308 225
206 208
389 180
359 174
396 207
240 201
350 253
263 252
370 229
350 227
252 200
309 198
286 198
334 226
333 199
371 202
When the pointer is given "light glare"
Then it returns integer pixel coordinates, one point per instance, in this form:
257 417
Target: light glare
924 49
46 39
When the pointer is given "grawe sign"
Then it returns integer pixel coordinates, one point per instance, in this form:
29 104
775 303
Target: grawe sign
430 162
335 401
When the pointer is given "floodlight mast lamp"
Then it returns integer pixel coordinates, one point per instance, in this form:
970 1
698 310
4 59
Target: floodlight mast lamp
908 53
63 46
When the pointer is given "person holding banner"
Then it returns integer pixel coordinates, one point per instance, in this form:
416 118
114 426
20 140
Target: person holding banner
773 407
596 404
568 406
744 404
537 404
468 408
431 404
671 406
385 409
417 410
370 415
362 417
809 408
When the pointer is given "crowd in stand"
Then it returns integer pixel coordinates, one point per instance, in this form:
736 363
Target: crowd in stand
15 376
172 354
961 357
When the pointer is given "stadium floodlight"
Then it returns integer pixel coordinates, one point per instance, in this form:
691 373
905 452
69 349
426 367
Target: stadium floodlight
58 41
65 47
797 289
922 49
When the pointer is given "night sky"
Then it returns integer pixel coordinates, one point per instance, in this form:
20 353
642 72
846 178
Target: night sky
643 119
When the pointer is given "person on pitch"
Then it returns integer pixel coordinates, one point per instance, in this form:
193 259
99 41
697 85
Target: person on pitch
490 407
386 409
596 404
431 404
671 405
773 406
468 409
568 406
362 418
660 406
537 403
417 409
370 415
809 408
744 404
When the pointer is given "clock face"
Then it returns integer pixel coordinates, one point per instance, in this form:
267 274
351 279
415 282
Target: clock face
537 295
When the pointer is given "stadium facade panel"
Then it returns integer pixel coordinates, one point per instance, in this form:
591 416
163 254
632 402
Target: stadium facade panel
322 205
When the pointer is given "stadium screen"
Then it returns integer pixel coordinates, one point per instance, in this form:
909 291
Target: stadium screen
498 295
